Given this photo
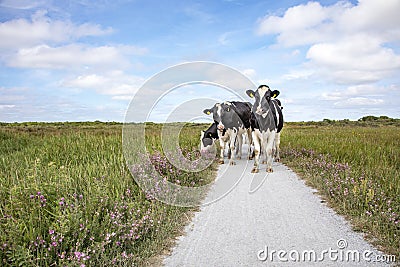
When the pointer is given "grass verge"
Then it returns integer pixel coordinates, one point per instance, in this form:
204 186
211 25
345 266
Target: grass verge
67 198
356 169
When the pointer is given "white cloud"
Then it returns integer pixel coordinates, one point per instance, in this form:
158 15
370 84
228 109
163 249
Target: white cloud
359 102
22 4
70 56
122 97
115 83
195 12
6 106
367 90
251 73
223 38
42 42
302 74
374 17
315 23
23 33
303 24
357 58
87 81
349 44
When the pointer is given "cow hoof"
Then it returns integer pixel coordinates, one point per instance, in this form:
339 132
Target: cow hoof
254 170
232 163
221 161
250 158
264 162
269 170
278 160
239 157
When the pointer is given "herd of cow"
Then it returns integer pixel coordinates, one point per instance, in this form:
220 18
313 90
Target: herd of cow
260 122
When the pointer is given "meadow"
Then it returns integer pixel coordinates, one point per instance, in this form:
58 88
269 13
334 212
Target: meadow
67 197
356 169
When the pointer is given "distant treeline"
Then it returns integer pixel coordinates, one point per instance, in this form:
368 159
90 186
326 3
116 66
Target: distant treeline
364 121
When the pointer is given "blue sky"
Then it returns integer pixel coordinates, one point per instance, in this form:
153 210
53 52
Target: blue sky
85 60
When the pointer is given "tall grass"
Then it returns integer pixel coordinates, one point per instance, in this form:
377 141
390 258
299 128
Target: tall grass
357 170
67 198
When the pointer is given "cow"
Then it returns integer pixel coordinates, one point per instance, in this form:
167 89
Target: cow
208 137
278 105
266 123
277 142
233 120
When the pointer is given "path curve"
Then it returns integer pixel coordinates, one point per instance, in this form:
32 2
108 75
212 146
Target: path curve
282 214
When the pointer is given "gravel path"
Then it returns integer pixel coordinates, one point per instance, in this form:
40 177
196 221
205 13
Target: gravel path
261 216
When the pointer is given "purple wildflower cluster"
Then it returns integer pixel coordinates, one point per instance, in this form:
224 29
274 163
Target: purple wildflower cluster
156 171
40 198
354 190
128 224
163 166
153 184
117 227
74 201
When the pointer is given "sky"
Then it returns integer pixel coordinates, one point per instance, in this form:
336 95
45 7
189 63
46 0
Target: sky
82 60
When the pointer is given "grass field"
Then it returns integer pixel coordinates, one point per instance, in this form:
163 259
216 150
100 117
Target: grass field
67 197
356 169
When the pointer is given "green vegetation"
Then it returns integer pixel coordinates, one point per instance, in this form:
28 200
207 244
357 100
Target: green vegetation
356 168
67 198
367 121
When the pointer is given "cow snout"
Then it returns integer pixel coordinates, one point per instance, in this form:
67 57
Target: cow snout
259 111
220 127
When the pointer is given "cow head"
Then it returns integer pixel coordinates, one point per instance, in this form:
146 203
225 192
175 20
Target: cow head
215 110
263 96
206 142
224 115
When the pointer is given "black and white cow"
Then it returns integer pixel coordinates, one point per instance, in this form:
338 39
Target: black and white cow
278 105
208 138
276 149
232 120
266 122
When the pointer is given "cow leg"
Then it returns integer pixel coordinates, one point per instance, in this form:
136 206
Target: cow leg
277 143
269 146
222 146
257 147
250 153
228 147
233 139
239 144
263 154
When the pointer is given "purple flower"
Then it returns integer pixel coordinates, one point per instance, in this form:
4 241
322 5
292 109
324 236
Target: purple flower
51 232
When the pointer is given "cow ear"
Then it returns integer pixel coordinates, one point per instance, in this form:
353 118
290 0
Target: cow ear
207 111
275 93
250 93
